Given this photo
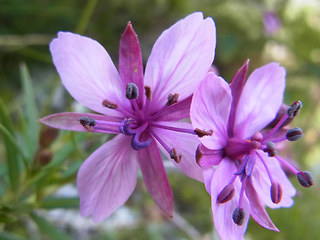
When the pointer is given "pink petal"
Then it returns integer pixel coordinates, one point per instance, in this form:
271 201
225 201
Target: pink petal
210 109
87 72
177 111
180 58
262 184
260 100
258 213
236 87
155 177
70 121
130 60
222 213
207 176
107 178
185 145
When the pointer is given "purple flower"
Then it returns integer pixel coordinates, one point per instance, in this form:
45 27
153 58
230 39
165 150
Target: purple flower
144 110
248 175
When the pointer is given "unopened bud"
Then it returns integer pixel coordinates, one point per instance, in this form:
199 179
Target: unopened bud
238 216
276 192
294 134
226 194
305 179
132 91
294 109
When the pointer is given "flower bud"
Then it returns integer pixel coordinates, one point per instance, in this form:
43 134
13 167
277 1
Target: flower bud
294 134
238 216
276 192
305 179
226 194
132 91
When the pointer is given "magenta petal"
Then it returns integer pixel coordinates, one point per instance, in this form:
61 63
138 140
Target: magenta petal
87 72
155 177
184 144
258 213
222 212
262 184
260 100
70 121
177 111
180 59
107 178
210 109
236 86
130 60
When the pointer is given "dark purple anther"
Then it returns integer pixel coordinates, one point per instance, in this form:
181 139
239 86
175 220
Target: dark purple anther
132 91
109 104
172 99
305 179
226 194
202 133
294 134
294 109
276 192
238 216
175 156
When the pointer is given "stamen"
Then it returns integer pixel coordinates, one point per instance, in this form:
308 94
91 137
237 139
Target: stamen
132 91
249 165
226 194
172 99
87 122
294 109
276 192
238 216
174 155
202 133
160 141
148 92
265 166
270 149
176 129
294 134
117 124
288 165
109 104
305 179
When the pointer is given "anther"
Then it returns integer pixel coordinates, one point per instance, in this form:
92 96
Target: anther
294 109
226 194
148 92
87 122
132 91
305 179
172 99
294 134
238 216
109 104
174 155
202 133
270 149
276 192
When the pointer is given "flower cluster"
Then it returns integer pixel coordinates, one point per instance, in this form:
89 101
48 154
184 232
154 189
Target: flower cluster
234 133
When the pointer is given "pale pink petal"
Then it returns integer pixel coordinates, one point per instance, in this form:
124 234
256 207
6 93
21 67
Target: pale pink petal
180 58
155 177
207 176
70 121
210 109
130 61
222 212
185 145
260 100
262 184
87 72
107 178
258 213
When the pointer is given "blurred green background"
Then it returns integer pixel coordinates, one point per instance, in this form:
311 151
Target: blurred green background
38 166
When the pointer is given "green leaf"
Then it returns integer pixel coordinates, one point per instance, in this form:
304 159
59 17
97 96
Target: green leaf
48 229
31 111
9 236
60 202
11 148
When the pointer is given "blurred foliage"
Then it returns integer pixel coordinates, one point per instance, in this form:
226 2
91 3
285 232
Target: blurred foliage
35 162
